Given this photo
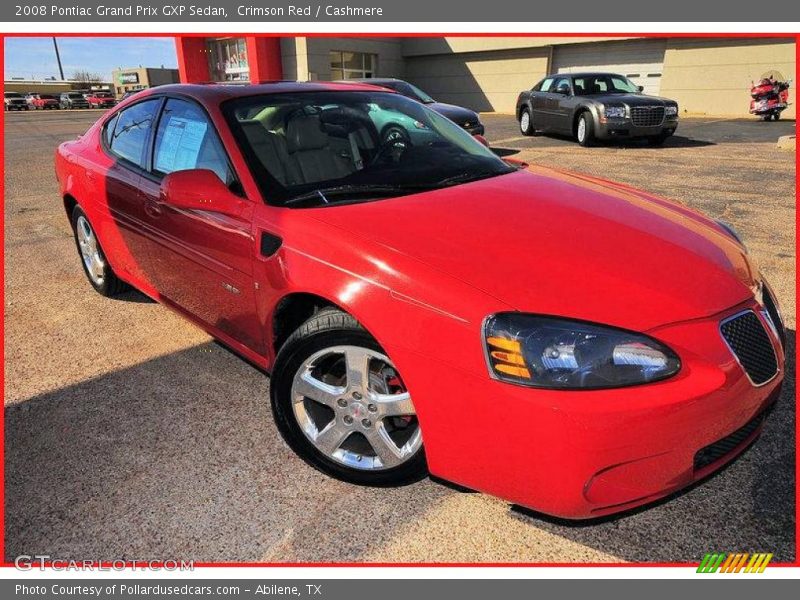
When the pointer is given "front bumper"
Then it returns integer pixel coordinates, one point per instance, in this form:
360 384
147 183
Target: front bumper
624 128
474 129
587 454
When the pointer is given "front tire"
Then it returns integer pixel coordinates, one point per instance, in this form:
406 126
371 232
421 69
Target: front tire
584 132
93 259
526 122
340 404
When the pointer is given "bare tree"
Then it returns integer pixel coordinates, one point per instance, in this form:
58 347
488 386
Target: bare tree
86 76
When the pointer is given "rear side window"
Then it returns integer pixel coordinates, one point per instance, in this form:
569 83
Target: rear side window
133 125
187 140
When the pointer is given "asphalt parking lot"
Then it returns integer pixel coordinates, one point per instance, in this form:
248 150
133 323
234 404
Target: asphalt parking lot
130 434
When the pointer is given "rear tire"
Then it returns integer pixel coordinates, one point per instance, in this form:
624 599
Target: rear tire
526 122
99 273
776 116
337 431
585 130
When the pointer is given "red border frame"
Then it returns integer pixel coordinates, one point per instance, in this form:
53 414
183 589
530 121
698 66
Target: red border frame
102 564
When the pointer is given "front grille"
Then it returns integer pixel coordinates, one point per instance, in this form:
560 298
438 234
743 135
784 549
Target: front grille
647 116
713 452
774 314
750 344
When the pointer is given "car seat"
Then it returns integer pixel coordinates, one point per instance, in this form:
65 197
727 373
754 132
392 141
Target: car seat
310 151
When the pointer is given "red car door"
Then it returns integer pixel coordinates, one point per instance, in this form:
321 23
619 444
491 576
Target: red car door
116 176
202 261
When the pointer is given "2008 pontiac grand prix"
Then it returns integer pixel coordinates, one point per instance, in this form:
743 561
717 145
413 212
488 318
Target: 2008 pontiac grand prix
566 343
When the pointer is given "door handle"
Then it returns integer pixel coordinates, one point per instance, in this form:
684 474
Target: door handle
153 208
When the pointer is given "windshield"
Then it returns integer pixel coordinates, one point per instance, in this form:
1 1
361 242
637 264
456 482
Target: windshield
409 90
46 97
603 84
75 95
315 148
12 95
102 95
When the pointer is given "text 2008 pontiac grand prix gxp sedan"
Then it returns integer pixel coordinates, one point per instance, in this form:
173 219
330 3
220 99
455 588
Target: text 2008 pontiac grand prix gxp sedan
568 344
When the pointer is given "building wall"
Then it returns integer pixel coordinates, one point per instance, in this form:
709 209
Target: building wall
413 46
51 87
712 76
389 51
482 81
294 58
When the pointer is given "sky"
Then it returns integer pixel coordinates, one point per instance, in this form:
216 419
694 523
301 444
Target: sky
35 58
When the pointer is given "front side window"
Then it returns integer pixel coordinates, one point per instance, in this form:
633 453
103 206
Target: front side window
132 130
185 140
313 148
353 65
544 85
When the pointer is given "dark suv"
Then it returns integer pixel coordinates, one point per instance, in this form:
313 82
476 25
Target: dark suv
590 106
73 100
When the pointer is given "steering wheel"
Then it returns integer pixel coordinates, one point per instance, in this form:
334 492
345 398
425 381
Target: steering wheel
394 141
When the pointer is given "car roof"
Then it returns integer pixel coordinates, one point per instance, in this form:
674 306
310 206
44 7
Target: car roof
216 93
585 74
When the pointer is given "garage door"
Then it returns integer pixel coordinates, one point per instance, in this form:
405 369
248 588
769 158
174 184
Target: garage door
482 81
642 61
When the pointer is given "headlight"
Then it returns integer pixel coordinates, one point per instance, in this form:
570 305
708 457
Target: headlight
548 352
615 112
732 232
671 111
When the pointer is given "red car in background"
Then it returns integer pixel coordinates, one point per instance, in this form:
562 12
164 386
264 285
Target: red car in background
45 101
101 100
566 343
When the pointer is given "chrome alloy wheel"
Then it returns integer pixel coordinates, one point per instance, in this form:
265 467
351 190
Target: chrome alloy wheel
525 121
581 129
353 407
90 251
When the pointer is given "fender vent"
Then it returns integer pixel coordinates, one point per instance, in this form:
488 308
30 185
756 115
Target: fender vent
748 340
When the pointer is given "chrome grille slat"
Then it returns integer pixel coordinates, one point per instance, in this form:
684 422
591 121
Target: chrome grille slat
647 116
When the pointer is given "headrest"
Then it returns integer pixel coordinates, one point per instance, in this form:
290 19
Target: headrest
304 133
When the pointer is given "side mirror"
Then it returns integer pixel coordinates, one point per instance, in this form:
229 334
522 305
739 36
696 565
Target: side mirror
200 189
481 139
640 88
516 163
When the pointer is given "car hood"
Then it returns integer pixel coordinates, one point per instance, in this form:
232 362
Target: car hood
555 243
631 99
457 114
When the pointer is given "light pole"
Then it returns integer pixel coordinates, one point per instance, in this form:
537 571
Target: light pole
58 59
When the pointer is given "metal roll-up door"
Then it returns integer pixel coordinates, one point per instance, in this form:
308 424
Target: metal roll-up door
642 61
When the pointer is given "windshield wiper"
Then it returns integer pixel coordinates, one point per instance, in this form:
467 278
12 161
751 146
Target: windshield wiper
325 194
466 177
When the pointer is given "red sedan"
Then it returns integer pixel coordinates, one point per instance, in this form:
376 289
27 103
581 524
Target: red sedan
566 343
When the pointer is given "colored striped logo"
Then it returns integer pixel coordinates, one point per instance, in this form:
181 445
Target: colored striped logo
734 563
